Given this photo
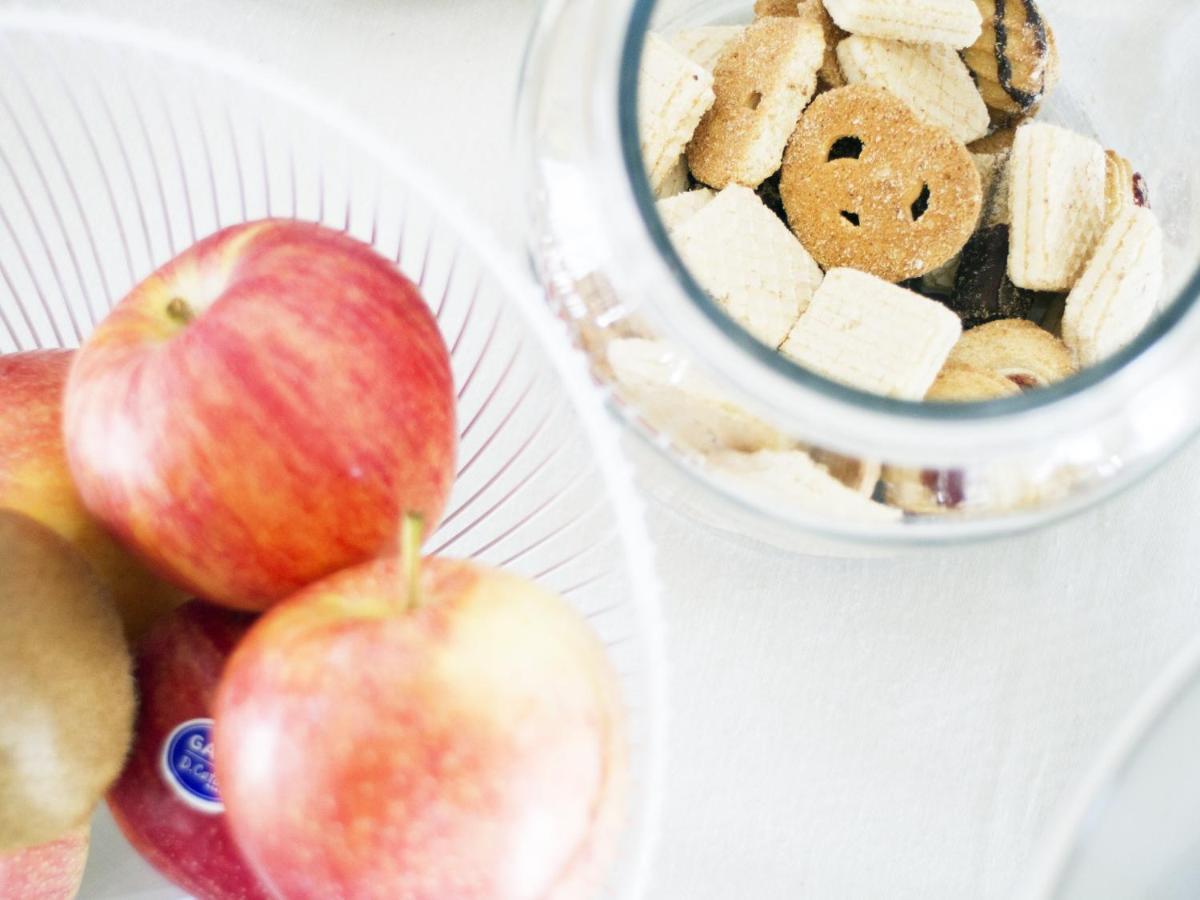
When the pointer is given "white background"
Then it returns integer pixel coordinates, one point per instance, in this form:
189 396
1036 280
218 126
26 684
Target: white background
841 729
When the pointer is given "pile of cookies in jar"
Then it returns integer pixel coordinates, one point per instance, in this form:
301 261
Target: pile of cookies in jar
864 186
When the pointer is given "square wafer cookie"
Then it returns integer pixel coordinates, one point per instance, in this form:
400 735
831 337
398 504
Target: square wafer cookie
674 211
957 23
874 336
1119 290
704 46
930 78
1057 204
673 97
749 262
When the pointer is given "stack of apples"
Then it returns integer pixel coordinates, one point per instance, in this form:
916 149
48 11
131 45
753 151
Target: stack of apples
265 428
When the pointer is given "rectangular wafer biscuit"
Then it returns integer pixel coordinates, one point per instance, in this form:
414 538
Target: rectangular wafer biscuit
674 211
872 335
1118 291
679 401
1057 201
762 82
673 96
930 78
954 22
704 46
749 262
790 478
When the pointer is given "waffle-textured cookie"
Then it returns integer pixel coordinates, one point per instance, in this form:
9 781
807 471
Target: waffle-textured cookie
874 336
749 262
674 211
790 478
1118 291
704 46
867 185
954 22
673 97
677 180
763 81
1057 196
930 78
674 398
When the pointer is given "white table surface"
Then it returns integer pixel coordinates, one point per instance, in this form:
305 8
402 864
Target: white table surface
840 729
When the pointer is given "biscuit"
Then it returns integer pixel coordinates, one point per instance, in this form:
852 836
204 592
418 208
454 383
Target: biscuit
790 478
931 78
830 75
1123 187
1000 140
773 9
993 175
1015 59
983 291
704 46
682 403
868 186
1057 196
860 475
954 22
674 211
748 261
762 82
673 96
873 336
1016 350
1118 291
958 383
677 180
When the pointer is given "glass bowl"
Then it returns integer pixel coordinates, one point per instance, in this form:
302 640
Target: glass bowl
120 148
980 470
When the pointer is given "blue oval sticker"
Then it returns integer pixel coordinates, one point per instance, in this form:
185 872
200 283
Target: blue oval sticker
187 766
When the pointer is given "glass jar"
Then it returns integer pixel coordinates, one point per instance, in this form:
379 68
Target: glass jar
963 472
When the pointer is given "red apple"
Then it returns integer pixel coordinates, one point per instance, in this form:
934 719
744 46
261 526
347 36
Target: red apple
166 801
51 871
462 740
34 480
262 411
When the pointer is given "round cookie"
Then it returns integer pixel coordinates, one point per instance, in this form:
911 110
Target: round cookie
866 185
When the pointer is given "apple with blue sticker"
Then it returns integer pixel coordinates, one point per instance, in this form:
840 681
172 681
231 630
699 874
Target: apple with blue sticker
167 802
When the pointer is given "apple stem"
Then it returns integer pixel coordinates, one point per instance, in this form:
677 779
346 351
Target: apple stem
412 533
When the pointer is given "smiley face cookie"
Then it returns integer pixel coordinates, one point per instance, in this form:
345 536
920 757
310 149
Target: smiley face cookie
867 185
